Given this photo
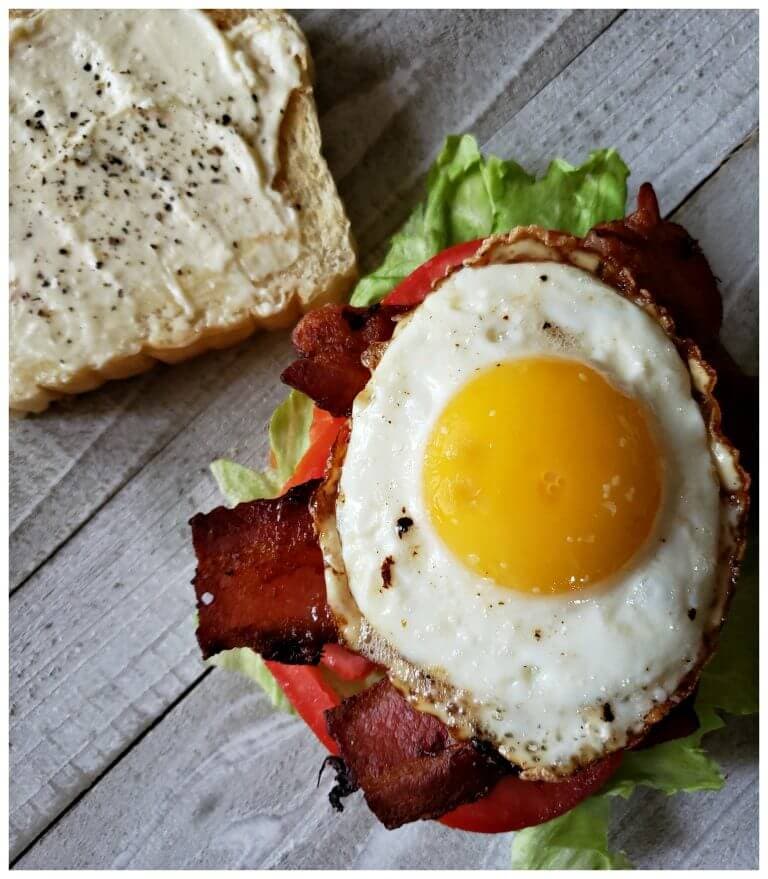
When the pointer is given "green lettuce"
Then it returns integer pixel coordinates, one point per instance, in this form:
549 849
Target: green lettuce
577 840
246 662
729 683
288 440
469 197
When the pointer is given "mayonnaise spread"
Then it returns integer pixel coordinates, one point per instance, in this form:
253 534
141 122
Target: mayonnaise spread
143 151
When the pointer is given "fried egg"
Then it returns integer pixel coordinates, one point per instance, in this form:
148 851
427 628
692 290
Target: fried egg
526 526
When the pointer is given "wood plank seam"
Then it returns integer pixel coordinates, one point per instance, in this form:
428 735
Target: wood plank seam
753 135
107 769
115 491
376 246
122 406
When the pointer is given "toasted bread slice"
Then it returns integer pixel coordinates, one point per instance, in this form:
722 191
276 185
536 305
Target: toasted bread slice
323 271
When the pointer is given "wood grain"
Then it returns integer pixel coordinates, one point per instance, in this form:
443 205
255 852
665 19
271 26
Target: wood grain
101 634
674 91
226 781
67 462
724 214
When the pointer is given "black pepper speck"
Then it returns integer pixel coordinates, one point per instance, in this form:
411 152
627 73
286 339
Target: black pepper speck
404 523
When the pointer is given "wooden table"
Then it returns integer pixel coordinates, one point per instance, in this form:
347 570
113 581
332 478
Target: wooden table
125 750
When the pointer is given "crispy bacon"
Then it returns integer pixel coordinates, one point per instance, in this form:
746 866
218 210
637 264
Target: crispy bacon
407 763
410 767
667 262
331 341
260 581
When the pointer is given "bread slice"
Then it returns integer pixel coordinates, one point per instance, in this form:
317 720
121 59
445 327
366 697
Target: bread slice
324 270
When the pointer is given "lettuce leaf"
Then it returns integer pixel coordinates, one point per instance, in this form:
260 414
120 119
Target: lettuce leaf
577 840
470 197
728 683
288 440
247 662
672 767
680 765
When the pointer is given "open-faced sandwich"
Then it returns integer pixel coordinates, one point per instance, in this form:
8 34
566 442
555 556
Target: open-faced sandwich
168 194
506 512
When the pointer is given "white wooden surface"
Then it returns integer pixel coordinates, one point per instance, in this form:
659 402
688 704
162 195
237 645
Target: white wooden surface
124 752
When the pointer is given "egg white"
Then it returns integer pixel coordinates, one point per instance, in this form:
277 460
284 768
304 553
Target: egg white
552 681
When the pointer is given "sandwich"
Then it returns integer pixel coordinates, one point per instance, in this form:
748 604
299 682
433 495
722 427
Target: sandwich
494 552
168 194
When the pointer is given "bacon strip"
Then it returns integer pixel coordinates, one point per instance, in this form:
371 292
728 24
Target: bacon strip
410 767
260 581
331 341
667 262
664 260
407 763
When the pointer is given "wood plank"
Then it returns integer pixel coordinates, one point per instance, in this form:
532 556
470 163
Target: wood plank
123 653
392 101
224 781
724 214
103 635
674 91
381 105
65 463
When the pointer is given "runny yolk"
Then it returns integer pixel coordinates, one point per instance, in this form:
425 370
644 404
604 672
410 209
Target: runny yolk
542 475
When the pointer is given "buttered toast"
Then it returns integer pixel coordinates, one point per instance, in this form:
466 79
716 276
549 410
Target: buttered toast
168 194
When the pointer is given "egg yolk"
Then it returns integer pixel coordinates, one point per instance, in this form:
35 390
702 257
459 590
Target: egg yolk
542 475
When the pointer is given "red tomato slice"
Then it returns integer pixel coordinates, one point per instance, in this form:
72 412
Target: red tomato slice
310 695
413 289
322 434
512 804
346 664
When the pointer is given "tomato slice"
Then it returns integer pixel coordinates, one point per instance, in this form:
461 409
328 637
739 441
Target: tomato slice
512 804
413 289
346 664
310 694
322 434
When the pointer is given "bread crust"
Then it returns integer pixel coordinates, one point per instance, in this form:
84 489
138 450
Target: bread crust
327 266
